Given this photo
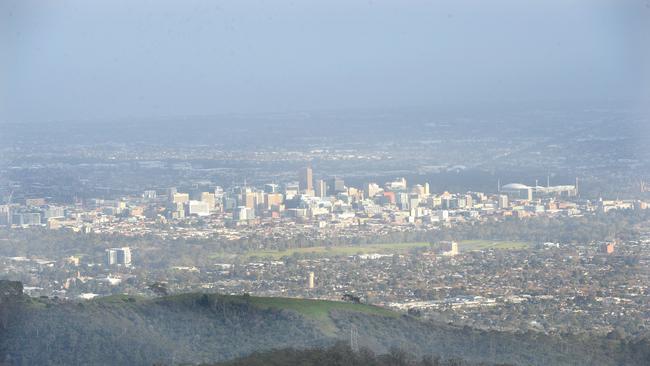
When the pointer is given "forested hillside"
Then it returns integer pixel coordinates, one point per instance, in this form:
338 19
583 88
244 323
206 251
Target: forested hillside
342 355
201 328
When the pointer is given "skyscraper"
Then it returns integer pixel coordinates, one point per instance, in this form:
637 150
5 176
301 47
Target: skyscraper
111 257
372 189
272 199
209 198
307 179
249 200
180 197
118 256
124 256
503 201
337 185
198 208
321 188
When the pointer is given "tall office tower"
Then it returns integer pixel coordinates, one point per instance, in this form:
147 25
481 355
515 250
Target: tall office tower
503 201
209 198
321 188
121 256
307 179
414 200
273 199
426 189
469 201
229 201
249 199
372 189
337 186
124 256
198 208
180 197
260 199
240 213
111 257
402 200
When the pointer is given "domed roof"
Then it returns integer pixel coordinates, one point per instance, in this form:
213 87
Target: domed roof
515 186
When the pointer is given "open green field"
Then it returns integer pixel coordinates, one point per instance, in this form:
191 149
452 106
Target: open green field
316 310
311 308
471 245
390 248
319 310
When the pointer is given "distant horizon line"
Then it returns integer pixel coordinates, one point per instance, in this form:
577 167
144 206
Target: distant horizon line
270 114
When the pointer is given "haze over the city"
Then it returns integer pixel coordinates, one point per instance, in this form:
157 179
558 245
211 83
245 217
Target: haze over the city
85 61
325 183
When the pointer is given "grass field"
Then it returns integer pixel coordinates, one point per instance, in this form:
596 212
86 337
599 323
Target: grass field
316 310
471 245
390 248
319 310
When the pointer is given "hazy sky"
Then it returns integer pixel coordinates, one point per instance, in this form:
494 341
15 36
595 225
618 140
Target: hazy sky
86 60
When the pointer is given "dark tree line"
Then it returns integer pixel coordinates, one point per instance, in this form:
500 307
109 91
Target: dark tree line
342 355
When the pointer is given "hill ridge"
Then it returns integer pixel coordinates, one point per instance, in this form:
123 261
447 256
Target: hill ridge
208 328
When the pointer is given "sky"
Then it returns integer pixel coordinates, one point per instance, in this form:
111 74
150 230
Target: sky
96 60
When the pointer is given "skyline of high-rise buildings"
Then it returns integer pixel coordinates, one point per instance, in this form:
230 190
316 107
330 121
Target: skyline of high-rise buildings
307 179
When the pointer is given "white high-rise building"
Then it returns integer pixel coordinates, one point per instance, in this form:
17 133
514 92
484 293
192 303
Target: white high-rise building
209 198
118 256
321 188
124 256
311 280
307 179
372 189
503 201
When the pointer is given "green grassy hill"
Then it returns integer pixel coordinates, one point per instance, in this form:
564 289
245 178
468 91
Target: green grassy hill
196 328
